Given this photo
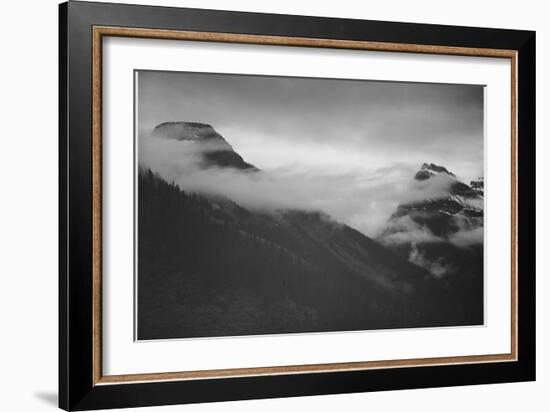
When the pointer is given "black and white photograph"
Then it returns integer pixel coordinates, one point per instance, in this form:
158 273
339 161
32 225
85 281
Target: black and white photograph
272 205
213 206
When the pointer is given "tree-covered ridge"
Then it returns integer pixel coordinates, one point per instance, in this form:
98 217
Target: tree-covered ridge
208 267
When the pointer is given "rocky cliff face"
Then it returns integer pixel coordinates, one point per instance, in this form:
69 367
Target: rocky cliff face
428 170
440 232
458 199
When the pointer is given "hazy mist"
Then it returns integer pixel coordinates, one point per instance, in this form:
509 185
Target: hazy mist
348 148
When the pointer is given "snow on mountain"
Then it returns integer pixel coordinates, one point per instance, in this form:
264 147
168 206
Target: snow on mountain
438 232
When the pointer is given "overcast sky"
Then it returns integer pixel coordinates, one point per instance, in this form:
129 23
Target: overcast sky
352 131
276 122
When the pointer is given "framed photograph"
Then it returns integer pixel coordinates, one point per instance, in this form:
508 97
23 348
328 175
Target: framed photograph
257 205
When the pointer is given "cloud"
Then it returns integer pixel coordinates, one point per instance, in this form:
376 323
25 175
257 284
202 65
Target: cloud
404 230
466 238
438 267
362 200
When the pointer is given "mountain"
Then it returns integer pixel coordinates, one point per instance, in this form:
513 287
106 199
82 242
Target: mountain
459 198
214 148
449 209
443 233
478 185
429 170
208 266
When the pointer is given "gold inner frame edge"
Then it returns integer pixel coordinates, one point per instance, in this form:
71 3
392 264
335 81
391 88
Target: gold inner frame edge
98 32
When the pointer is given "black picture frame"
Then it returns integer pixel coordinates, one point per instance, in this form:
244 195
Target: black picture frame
77 389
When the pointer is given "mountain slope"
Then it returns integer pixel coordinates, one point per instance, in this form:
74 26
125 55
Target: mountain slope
452 214
209 267
444 234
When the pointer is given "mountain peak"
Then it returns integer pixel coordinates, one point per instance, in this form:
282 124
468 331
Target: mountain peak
215 150
428 170
186 131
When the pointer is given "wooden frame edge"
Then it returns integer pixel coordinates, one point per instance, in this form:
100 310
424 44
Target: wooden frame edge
97 229
514 205
298 369
98 32
165 34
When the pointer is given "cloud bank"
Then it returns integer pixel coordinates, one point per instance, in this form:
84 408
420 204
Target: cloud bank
364 202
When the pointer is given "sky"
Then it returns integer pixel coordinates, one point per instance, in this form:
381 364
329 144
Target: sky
348 147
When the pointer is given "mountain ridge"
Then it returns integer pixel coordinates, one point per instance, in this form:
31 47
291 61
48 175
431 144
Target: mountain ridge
247 272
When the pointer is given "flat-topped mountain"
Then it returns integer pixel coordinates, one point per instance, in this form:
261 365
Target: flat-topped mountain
186 131
215 150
